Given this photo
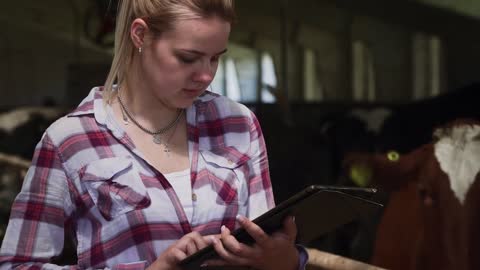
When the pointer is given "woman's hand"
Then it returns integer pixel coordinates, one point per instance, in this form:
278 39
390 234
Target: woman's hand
184 247
270 252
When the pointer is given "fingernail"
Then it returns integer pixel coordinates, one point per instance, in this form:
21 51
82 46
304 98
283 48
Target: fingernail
293 219
223 228
240 218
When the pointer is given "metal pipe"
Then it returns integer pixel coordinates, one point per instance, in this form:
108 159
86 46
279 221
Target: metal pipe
320 260
284 47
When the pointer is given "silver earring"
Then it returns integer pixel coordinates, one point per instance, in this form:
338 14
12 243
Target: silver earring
139 49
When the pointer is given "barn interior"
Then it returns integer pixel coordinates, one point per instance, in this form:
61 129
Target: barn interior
324 77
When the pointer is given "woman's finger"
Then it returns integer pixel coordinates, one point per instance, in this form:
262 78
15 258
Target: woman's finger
290 228
177 255
208 238
191 243
226 255
234 246
191 248
199 240
260 237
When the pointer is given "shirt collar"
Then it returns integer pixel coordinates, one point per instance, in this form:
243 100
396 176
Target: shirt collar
94 105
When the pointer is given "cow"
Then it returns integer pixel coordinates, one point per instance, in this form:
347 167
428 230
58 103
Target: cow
432 220
22 128
399 127
354 130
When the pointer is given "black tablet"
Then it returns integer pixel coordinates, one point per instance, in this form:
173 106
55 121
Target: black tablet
317 210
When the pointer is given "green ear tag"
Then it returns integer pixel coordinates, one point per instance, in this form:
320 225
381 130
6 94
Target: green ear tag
393 156
361 175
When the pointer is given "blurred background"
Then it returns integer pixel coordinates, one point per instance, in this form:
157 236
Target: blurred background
325 77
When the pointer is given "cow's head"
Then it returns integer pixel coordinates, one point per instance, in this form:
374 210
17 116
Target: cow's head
445 173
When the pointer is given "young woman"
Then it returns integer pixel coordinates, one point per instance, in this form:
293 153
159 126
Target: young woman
152 167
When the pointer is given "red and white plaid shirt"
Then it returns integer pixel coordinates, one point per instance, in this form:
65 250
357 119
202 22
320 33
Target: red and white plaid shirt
87 176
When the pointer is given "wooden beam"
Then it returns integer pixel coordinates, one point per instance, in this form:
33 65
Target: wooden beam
319 260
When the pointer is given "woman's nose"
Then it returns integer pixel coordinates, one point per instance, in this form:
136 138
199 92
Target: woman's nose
205 74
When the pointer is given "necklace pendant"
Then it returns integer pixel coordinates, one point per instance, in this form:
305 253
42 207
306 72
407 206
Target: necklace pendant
167 150
157 139
125 120
124 116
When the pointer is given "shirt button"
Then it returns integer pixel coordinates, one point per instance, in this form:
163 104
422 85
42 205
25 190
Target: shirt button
230 162
194 197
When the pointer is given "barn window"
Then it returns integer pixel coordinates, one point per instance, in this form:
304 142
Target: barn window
363 73
268 78
240 73
232 85
219 82
312 88
428 66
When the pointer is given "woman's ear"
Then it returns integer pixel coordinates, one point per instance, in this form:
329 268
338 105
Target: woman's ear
138 31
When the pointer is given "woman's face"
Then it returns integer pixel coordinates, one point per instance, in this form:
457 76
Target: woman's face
178 66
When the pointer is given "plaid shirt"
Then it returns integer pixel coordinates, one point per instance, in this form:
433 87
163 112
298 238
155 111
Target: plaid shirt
88 178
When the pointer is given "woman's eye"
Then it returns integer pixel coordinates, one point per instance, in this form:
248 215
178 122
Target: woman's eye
187 60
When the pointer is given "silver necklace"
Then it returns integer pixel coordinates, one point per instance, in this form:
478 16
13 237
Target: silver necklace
166 144
157 135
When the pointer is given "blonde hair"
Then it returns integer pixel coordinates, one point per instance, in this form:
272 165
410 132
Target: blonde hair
160 16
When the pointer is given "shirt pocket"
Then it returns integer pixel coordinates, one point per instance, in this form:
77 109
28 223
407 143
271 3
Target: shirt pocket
224 170
115 186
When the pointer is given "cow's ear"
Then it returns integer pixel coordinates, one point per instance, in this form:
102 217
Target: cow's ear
361 174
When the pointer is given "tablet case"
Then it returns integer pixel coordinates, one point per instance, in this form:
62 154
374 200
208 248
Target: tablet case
317 210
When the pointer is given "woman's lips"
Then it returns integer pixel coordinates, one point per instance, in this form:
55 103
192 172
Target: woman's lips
193 92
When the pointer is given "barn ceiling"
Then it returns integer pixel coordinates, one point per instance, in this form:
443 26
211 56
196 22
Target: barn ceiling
465 7
65 19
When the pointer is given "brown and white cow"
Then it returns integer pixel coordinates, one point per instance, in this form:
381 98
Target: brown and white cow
432 220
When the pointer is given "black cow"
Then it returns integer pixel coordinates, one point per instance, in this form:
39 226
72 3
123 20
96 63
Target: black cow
21 129
412 124
401 127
